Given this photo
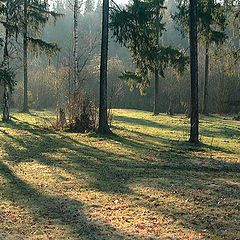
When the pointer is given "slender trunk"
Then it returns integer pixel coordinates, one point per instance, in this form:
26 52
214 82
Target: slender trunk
103 120
75 45
206 78
58 104
6 114
25 58
156 73
194 132
170 108
69 84
156 93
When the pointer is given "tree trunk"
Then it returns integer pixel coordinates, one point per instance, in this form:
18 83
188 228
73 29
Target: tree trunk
6 114
170 108
103 119
25 58
156 93
206 77
75 45
156 73
194 132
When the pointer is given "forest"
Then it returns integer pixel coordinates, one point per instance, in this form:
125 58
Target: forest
120 119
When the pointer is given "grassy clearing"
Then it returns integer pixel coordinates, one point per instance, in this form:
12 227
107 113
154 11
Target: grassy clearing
144 183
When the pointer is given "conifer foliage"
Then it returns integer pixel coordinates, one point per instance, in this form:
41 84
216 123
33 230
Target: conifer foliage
139 27
35 15
212 23
8 17
26 18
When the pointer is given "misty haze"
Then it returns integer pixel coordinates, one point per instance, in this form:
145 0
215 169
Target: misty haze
120 119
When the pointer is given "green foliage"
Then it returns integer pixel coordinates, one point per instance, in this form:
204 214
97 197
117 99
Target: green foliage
7 77
211 20
39 14
233 16
9 11
139 27
8 16
134 80
37 46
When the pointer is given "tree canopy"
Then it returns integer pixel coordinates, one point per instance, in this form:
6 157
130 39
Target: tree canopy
139 26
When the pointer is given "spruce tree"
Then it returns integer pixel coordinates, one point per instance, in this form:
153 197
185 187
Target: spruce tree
212 24
8 14
103 127
194 130
139 27
33 16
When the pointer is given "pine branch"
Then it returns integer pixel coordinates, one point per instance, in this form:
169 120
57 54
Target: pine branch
38 46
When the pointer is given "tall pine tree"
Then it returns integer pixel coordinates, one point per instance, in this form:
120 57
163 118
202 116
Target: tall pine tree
139 27
103 127
194 130
33 17
8 12
212 24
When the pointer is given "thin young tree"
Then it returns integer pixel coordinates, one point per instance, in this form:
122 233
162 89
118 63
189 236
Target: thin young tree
103 127
194 131
75 43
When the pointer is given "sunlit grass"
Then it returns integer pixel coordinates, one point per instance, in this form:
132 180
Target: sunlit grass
145 182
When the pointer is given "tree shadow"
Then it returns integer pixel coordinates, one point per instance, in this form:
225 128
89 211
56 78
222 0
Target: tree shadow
148 123
69 212
226 132
112 173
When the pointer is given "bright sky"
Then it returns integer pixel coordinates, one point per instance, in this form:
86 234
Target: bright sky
122 1
117 1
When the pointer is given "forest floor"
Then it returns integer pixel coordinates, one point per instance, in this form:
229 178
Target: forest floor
146 182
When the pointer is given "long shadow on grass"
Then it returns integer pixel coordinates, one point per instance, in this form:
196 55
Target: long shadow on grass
151 141
112 173
148 123
111 167
68 211
226 132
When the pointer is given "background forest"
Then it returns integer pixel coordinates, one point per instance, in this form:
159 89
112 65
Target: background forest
120 121
50 78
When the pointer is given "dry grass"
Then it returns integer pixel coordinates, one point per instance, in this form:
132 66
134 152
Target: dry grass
144 183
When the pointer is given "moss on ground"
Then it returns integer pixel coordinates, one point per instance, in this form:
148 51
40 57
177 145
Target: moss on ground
145 182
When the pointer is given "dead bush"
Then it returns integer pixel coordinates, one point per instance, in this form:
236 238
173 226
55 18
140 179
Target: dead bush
82 113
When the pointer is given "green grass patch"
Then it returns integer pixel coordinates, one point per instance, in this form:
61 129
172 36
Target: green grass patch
145 182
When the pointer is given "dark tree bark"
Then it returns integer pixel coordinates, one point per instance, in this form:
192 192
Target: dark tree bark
25 59
6 113
194 132
103 108
156 73
206 78
156 93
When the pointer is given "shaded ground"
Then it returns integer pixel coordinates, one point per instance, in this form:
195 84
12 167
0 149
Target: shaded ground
144 183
